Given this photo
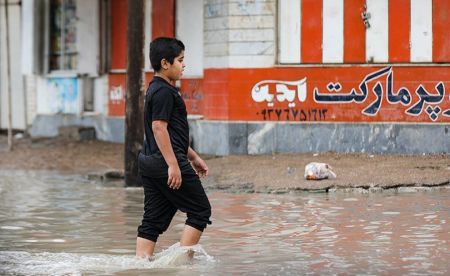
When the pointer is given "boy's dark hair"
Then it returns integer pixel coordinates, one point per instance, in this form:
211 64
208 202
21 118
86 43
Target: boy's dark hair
164 48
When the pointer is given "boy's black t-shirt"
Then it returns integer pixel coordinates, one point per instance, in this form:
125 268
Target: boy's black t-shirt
164 102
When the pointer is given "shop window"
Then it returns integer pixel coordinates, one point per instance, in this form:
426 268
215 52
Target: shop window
63 35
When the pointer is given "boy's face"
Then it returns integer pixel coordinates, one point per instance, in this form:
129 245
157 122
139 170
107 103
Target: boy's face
174 71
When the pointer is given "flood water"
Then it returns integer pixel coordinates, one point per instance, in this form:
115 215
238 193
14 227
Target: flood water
53 224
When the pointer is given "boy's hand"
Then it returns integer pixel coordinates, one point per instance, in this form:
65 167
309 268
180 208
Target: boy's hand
174 180
200 167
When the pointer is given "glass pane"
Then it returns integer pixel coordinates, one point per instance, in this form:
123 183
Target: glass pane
63 48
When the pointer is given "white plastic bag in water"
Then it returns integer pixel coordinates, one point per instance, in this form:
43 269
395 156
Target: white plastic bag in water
317 171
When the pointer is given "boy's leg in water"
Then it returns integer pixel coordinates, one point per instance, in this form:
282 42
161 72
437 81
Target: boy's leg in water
190 236
144 248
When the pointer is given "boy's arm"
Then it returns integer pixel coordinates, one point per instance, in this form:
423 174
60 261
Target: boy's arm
197 163
162 138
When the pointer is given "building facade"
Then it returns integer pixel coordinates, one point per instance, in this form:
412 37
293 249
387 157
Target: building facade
262 76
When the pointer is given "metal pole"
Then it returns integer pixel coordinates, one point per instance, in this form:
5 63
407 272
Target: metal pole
134 104
8 72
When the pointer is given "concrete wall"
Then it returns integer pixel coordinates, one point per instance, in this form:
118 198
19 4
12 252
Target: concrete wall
107 128
225 138
222 138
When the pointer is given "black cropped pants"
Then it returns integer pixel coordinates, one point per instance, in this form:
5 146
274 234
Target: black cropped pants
161 203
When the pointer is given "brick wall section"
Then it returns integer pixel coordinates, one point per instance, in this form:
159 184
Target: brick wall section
240 33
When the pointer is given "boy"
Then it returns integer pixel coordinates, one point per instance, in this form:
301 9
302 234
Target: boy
169 168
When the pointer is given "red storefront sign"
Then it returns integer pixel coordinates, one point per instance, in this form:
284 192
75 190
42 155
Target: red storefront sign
327 94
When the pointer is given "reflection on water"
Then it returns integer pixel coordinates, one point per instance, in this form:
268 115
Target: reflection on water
64 224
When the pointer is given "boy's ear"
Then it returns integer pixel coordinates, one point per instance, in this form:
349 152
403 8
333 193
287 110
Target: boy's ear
164 64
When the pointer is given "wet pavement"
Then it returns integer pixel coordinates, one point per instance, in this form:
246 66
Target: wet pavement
64 224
